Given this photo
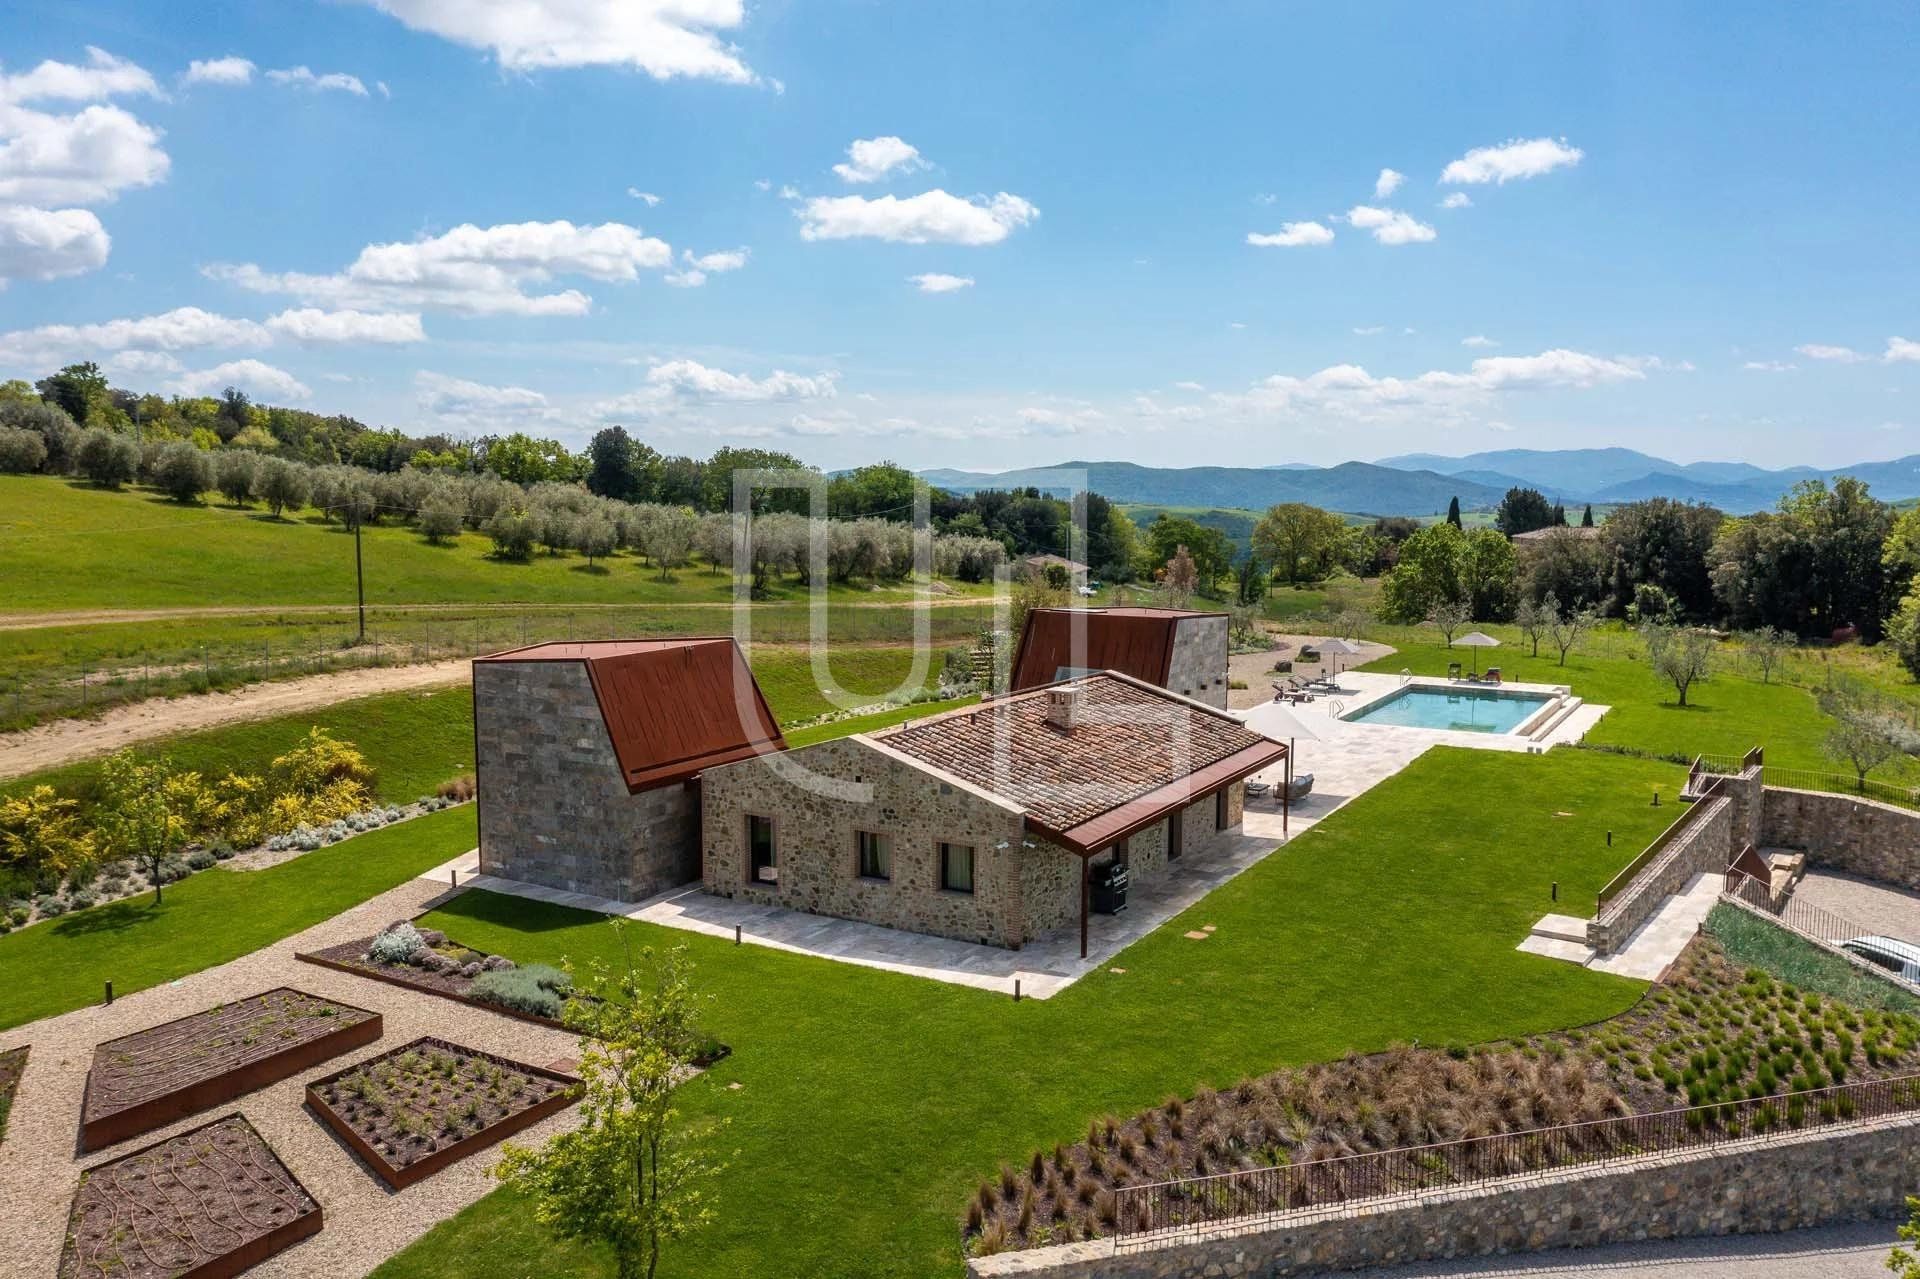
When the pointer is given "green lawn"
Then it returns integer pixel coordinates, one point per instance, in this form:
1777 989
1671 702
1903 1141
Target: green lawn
211 917
1726 715
72 546
878 720
871 1103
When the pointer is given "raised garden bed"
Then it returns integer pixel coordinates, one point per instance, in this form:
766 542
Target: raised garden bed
13 1064
208 1203
152 1077
413 1111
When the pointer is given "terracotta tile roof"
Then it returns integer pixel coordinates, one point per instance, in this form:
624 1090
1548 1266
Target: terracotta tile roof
672 707
1132 743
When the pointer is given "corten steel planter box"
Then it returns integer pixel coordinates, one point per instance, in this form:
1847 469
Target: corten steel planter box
420 1169
104 1122
183 1256
395 979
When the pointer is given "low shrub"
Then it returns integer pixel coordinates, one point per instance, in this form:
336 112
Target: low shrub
396 945
201 859
526 990
459 790
52 906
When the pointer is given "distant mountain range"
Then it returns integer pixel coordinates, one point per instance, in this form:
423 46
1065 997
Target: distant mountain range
1423 483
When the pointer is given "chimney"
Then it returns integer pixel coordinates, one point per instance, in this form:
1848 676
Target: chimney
1065 706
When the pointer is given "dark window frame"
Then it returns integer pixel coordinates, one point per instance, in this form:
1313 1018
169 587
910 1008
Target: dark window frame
883 843
943 849
773 850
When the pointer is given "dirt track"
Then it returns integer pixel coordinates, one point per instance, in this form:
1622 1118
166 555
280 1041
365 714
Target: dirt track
69 740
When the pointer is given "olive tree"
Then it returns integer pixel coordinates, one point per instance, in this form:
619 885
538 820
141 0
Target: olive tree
235 473
1566 624
441 517
107 459
513 534
283 485
21 452
594 537
1531 616
1680 655
1448 616
183 472
1867 729
1766 646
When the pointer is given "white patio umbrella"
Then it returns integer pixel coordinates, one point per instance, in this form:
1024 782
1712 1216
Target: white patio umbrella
1340 648
1477 639
1276 720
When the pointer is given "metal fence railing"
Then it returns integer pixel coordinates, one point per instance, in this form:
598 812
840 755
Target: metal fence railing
1165 1210
1807 919
1812 779
1644 865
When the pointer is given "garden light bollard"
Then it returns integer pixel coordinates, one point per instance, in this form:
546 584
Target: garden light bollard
109 990
736 934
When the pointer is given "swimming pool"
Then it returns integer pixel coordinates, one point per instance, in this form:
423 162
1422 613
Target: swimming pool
1463 710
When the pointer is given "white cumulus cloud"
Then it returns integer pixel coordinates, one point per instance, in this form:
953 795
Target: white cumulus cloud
306 78
1833 354
1291 235
666 39
228 70
472 270
1350 391
1519 158
103 76
184 328
1902 349
870 159
262 381
1387 183
932 217
477 404
1478 339
316 327
45 244
696 267
1457 200
1389 226
1768 366
941 282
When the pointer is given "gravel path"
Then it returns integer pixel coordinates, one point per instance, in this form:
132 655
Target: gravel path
1881 908
365 1222
65 740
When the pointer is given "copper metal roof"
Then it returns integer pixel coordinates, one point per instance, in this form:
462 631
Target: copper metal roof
1133 641
1135 754
672 707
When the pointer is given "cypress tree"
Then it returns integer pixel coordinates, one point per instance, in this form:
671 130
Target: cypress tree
1453 512
1586 521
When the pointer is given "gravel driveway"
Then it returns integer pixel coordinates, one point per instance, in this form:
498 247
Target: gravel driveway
1880 908
365 1222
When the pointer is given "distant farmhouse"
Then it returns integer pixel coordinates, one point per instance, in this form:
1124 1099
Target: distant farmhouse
1037 566
624 769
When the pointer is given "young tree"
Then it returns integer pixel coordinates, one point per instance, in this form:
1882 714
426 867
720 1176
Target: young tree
630 1176
1532 618
1867 730
135 819
1903 1263
1767 646
1565 625
1449 616
1681 655
1182 578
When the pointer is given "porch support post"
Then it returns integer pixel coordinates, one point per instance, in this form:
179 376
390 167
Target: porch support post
1083 906
1286 792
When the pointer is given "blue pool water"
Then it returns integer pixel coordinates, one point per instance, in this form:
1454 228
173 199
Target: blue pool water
1467 710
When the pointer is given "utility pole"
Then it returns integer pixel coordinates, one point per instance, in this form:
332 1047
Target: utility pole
360 579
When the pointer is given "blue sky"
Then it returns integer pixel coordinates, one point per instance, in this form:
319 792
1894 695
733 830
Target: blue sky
1673 232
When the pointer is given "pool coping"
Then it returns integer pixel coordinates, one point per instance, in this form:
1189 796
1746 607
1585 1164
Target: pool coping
1553 700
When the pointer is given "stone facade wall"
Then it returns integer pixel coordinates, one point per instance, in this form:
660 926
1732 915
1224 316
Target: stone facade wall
1050 883
1198 666
1748 795
1766 1184
1703 846
554 805
1843 833
813 831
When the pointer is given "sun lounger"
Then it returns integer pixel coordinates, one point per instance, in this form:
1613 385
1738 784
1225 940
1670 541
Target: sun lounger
1300 788
1453 670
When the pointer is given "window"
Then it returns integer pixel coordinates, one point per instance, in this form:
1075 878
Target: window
1176 825
760 858
874 855
1220 808
956 867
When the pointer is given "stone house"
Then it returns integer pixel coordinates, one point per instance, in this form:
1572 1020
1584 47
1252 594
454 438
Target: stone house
986 823
1038 565
588 757
1180 650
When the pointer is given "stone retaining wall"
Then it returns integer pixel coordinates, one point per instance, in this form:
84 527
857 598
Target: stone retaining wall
1704 846
1759 1185
1845 833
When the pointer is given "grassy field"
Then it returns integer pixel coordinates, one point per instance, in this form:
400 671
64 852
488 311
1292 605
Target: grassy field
72 546
870 1103
1727 714
212 917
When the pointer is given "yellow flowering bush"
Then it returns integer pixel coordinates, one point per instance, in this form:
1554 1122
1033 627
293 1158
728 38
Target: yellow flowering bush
41 836
320 763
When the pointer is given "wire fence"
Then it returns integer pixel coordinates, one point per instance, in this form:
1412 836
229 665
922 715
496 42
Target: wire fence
248 650
1151 1213
1814 780
1808 920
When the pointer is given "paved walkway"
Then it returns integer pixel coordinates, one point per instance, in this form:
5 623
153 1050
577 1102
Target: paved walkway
1648 950
1877 907
1857 1251
365 1222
